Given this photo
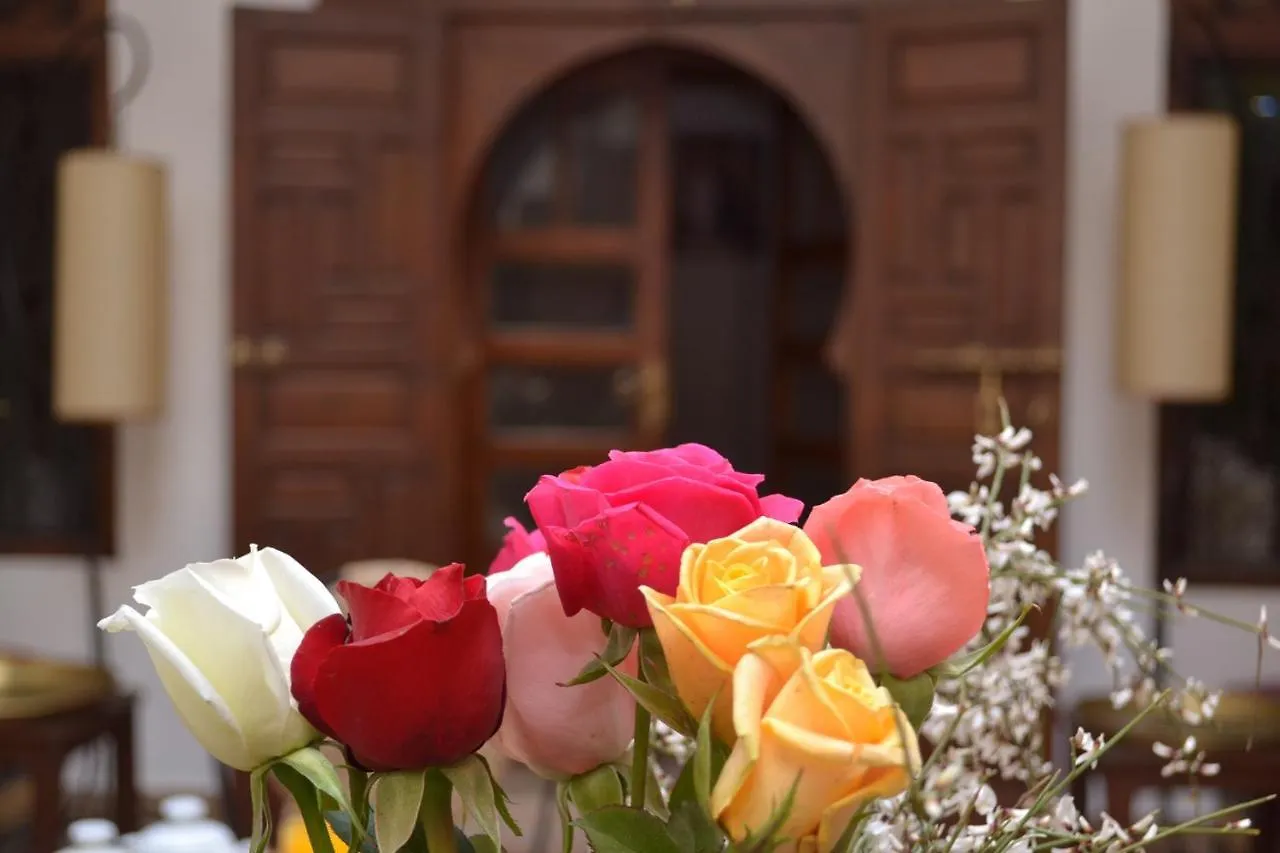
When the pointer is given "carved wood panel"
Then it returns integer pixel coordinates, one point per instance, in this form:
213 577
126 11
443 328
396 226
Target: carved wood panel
341 405
960 229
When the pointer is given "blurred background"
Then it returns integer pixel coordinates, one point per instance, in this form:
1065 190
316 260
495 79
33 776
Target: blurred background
343 278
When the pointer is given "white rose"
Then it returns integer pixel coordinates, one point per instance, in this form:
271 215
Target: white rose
221 636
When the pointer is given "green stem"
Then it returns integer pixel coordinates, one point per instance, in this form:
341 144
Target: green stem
437 813
358 785
305 795
640 752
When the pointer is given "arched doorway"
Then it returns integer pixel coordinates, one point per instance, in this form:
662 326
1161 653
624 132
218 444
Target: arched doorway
656 252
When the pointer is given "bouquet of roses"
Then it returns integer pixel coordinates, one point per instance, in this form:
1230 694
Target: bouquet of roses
786 668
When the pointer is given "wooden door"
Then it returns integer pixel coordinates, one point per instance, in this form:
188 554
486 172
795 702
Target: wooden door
342 388
957 294
566 296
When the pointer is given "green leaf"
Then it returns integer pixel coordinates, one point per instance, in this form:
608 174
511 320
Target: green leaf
665 706
598 789
476 788
483 844
618 829
341 823
321 773
694 830
621 639
914 695
708 760
501 799
965 663
397 801
653 662
261 808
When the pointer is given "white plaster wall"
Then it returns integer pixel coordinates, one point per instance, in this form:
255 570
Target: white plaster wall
174 474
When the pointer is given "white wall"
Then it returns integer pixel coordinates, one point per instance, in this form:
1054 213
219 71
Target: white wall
174 482
174 475
1118 57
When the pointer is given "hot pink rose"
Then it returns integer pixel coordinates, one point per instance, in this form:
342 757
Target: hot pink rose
556 731
516 545
924 579
615 527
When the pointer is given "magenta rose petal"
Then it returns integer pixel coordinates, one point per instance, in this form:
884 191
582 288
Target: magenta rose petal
782 508
636 547
704 511
576 580
374 612
558 502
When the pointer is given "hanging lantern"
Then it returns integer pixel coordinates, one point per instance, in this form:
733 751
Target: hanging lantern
111 292
1178 249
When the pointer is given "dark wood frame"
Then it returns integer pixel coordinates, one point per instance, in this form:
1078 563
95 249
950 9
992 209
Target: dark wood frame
1199 30
81 39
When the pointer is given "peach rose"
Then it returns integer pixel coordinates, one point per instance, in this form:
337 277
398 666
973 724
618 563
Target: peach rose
765 580
925 579
558 732
817 722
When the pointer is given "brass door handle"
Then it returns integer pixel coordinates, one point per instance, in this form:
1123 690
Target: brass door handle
655 399
273 351
242 352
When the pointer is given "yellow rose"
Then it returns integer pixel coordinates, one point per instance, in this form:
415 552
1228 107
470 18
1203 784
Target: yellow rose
820 723
765 580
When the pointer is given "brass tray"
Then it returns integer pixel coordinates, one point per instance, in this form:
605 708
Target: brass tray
32 687
1241 720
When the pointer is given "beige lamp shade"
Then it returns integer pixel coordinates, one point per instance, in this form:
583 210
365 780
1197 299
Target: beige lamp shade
111 296
1178 248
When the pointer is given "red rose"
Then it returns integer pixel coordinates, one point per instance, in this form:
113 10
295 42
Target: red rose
413 678
516 545
615 527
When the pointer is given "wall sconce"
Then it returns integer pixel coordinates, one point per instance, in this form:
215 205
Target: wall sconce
111 277
1177 257
111 297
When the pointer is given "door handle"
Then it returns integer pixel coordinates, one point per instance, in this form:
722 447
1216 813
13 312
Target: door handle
655 399
242 352
273 351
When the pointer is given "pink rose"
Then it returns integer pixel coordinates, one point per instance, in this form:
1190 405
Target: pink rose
556 731
615 527
516 545
925 578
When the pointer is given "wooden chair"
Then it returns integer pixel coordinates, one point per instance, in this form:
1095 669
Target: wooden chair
49 709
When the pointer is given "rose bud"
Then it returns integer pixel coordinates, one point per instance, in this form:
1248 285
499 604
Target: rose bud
556 731
414 679
622 524
221 636
815 723
925 579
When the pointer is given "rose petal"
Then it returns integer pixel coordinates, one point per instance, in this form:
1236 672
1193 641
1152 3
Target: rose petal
601 564
704 511
559 502
375 613
558 731
322 638
782 508
427 697
924 578
441 595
